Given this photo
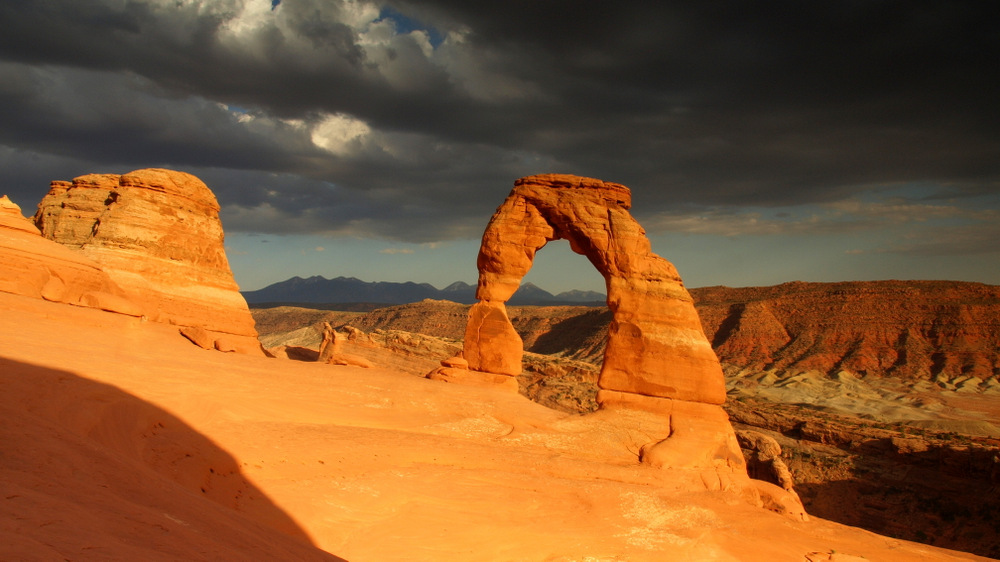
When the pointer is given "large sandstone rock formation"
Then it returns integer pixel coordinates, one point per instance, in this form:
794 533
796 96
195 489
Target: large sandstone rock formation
39 268
657 357
158 236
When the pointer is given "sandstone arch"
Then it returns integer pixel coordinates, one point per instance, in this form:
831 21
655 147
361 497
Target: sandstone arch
657 358
656 346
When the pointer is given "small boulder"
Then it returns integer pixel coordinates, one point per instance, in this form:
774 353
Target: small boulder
456 362
198 336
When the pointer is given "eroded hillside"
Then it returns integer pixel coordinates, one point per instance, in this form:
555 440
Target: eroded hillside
943 331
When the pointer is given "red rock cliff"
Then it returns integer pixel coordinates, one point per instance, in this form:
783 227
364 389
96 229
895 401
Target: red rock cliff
941 330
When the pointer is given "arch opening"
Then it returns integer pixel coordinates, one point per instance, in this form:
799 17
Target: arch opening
557 268
562 361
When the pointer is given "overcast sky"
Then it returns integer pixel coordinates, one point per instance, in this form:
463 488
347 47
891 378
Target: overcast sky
763 141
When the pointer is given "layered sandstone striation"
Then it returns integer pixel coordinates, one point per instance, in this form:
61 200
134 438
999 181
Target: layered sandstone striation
456 369
944 331
158 236
39 268
657 357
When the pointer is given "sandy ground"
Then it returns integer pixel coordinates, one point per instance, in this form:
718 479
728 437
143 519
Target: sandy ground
121 440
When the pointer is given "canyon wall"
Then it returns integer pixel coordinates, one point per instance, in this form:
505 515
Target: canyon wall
944 331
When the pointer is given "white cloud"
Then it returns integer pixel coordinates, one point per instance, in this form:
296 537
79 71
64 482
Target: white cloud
254 15
359 15
339 133
423 40
395 251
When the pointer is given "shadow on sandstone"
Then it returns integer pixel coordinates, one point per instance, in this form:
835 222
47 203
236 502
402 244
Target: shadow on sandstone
581 336
941 497
298 353
90 470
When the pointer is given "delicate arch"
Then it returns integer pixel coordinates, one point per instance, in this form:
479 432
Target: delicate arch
656 346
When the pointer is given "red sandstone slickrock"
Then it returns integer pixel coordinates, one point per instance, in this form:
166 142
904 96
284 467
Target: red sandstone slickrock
122 441
157 234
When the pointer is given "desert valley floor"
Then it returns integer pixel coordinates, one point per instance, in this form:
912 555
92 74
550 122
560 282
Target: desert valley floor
123 441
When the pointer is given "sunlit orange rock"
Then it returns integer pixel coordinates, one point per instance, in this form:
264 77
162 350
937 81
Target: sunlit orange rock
158 236
947 332
656 346
39 268
498 347
657 357
331 350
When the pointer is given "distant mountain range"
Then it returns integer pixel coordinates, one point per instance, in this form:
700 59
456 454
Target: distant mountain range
318 289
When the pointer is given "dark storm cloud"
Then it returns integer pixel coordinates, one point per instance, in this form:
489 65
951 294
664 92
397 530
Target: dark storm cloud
94 114
310 61
715 103
756 102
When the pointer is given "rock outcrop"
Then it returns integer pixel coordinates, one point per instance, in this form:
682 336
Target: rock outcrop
158 236
656 346
657 357
331 350
39 268
456 369
944 331
933 481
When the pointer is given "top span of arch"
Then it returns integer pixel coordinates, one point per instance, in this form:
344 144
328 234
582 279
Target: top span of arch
614 193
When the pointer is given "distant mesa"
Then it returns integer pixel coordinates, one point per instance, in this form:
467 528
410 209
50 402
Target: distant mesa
147 243
317 289
943 332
